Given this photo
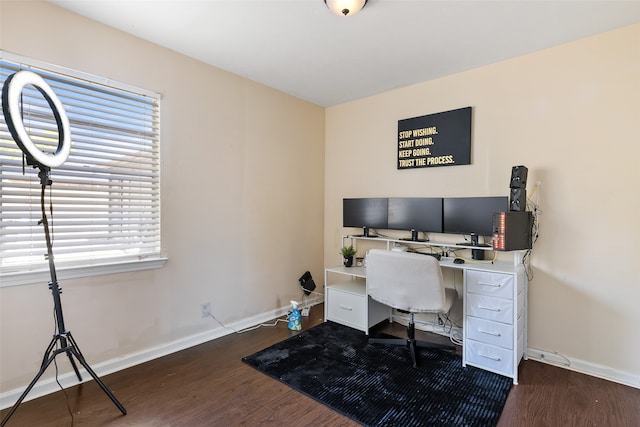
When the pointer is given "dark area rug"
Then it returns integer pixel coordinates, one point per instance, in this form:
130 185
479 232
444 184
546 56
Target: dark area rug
376 385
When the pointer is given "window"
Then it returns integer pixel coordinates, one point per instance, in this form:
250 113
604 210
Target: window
103 206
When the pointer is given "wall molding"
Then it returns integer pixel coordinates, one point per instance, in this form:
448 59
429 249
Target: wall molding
584 367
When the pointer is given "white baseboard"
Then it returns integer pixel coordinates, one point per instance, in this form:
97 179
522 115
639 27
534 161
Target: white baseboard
588 368
69 379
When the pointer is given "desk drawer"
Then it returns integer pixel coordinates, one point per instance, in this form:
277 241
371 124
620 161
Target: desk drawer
490 308
487 283
347 308
488 356
489 332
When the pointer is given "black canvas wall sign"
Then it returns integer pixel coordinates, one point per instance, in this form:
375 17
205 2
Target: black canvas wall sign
440 139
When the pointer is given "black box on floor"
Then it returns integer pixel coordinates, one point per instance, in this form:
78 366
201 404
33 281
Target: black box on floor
307 283
512 231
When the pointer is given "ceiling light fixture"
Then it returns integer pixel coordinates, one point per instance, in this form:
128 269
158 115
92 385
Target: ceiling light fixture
345 7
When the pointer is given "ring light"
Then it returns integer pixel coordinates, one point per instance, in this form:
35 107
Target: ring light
62 341
11 94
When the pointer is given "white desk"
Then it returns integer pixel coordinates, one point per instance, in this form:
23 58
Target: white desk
494 310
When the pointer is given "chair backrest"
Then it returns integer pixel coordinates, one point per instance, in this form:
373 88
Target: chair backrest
406 281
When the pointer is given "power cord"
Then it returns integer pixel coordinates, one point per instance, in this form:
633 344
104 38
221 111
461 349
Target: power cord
454 330
278 320
546 360
535 228
455 336
66 396
305 304
284 318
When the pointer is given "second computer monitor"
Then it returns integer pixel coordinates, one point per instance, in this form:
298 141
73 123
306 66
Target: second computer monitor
415 214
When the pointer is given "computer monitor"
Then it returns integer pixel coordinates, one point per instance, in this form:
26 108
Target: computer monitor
415 214
365 213
472 215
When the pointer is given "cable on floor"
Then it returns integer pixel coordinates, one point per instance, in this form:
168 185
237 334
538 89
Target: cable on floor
241 331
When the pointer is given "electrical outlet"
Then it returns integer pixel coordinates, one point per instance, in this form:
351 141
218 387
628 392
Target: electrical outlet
205 309
305 312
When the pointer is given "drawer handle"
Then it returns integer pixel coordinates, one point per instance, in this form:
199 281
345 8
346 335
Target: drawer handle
495 358
346 307
495 334
484 307
495 285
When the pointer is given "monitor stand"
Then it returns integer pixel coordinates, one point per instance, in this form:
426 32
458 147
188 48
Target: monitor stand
414 237
365 231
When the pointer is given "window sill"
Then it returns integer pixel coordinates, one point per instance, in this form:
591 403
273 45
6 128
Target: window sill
64 273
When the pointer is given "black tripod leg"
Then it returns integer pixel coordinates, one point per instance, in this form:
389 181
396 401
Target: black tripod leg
47 352
76 352
43 368
73 362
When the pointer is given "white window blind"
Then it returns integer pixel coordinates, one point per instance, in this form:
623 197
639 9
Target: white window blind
103 206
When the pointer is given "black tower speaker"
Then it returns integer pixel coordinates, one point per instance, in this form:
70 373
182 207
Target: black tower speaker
519 177
518 200
518 185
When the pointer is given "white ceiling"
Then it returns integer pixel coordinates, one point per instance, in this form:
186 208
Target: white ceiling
301 48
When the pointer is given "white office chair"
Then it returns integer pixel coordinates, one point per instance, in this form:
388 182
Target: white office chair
411 283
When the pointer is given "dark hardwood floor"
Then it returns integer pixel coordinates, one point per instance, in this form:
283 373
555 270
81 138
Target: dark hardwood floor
208 385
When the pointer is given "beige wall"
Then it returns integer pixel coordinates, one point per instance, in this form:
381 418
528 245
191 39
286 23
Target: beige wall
570 114
242 200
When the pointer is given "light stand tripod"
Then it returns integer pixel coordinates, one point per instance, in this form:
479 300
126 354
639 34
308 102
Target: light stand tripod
62 341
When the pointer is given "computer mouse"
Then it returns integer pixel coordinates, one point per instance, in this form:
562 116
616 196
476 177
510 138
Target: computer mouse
458 261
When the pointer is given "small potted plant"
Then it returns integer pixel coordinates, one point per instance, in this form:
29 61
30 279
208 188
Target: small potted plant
348 252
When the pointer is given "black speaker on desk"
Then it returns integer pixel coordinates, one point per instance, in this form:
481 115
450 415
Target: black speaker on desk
518 185
512 231
519 177
477 254
518 199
